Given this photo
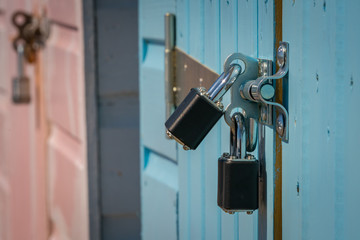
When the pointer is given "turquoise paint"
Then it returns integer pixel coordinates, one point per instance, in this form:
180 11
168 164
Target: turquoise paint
323 153
209 30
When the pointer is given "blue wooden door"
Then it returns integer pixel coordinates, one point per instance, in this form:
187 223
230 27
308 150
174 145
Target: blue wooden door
179 188
321 162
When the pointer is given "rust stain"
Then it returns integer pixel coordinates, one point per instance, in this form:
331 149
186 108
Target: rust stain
278 143
42 127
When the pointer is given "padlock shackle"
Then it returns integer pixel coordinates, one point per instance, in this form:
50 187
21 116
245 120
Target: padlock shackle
224 82
238 137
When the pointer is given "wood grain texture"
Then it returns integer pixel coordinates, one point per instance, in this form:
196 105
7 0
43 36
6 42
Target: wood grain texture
158 166
322 155
278 142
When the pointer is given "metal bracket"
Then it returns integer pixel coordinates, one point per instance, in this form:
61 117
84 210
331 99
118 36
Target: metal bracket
255 95
253 69
182 72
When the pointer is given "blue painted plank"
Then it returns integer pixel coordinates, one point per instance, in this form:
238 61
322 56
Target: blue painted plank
347 198
212 215
152 17
151 82
159 192
292 152
159 170
193 168
184 158
319 188
228 45
196 158
247 43
324 146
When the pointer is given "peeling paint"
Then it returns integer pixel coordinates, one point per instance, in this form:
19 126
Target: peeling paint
298 188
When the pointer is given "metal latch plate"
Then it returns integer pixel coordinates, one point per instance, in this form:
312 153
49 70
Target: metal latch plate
190 73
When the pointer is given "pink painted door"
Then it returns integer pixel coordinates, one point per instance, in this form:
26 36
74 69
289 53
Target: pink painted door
43 173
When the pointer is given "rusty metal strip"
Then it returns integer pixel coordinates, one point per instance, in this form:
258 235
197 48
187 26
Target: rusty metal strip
278 142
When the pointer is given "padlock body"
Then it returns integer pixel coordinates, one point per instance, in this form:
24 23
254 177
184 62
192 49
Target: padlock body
238 184
193 119
21 90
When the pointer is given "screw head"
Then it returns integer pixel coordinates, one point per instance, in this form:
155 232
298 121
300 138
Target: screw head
250 157
280 125
169 134
226 155
219 105
249 212
186 148
281 56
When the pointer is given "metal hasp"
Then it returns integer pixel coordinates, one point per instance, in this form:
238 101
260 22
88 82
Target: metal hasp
254 97
182 72
33 31
261 90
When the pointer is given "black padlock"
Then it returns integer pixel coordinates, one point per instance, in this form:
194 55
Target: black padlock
200 110
238 174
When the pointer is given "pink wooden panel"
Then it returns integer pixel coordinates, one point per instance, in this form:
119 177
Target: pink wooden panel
63 79
4 41
24 144
4 208
65 11
64 87
2 5
22 167
68 191
4 182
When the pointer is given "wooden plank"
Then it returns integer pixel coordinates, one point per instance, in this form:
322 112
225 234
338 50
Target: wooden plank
248 44
348 96
69 217
117 52
92 146
63 89
152 81
194 160
158 197
212 213
151 15
65 12
278 142
184 159
320 130
160 189
292 152
228 45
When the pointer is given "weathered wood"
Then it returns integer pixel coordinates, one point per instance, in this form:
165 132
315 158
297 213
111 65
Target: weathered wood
91 120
